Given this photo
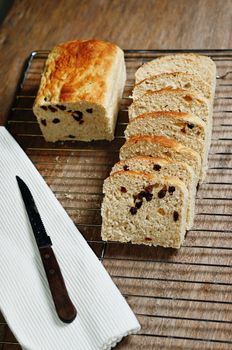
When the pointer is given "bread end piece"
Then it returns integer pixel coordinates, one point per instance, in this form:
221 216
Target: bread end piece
80 91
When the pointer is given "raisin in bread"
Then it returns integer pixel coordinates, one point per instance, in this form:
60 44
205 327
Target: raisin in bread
164 167
80 91
160 146
201 65
140 208
183 127
175 80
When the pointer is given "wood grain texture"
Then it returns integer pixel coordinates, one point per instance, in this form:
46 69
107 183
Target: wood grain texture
63 304
183 298
132 24
198 278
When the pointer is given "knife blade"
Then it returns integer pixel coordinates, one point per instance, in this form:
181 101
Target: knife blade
63 304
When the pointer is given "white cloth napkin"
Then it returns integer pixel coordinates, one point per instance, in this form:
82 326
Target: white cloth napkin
103 316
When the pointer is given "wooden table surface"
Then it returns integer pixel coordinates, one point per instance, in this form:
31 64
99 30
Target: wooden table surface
132 24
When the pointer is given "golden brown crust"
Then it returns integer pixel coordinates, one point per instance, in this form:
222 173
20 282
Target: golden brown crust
162 140
154 139
187 56
149 159
172 114
190 55
187 117
167 89
189 95
160 160
77 70
148 176
170 74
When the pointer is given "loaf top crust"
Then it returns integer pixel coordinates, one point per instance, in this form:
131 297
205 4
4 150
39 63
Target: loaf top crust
205 60
149 176
172 91
188 95
199 61
162 140
152 160
185 116
171 75
160 160
132 173
79 70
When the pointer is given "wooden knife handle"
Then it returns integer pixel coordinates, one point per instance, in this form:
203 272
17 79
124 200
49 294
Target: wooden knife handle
63 304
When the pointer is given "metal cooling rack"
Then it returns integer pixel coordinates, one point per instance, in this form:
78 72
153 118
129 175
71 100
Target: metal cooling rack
183 299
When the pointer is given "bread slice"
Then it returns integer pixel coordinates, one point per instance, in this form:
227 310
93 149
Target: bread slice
160 146
140 208
183 127
175 80
177 100
80 91
168 99
164 167
201 65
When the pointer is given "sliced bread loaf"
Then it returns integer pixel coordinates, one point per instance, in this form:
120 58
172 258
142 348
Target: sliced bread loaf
174 80
160 146
139 208
200 65
183 127
164 167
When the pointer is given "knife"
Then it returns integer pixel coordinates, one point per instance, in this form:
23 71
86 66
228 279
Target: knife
63 304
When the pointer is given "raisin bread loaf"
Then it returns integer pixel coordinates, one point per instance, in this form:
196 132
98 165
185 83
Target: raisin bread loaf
183 127
139 208
80 91
160 146
201 65
175 80
164 167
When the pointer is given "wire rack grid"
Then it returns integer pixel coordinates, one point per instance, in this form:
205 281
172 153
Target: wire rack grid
183 299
